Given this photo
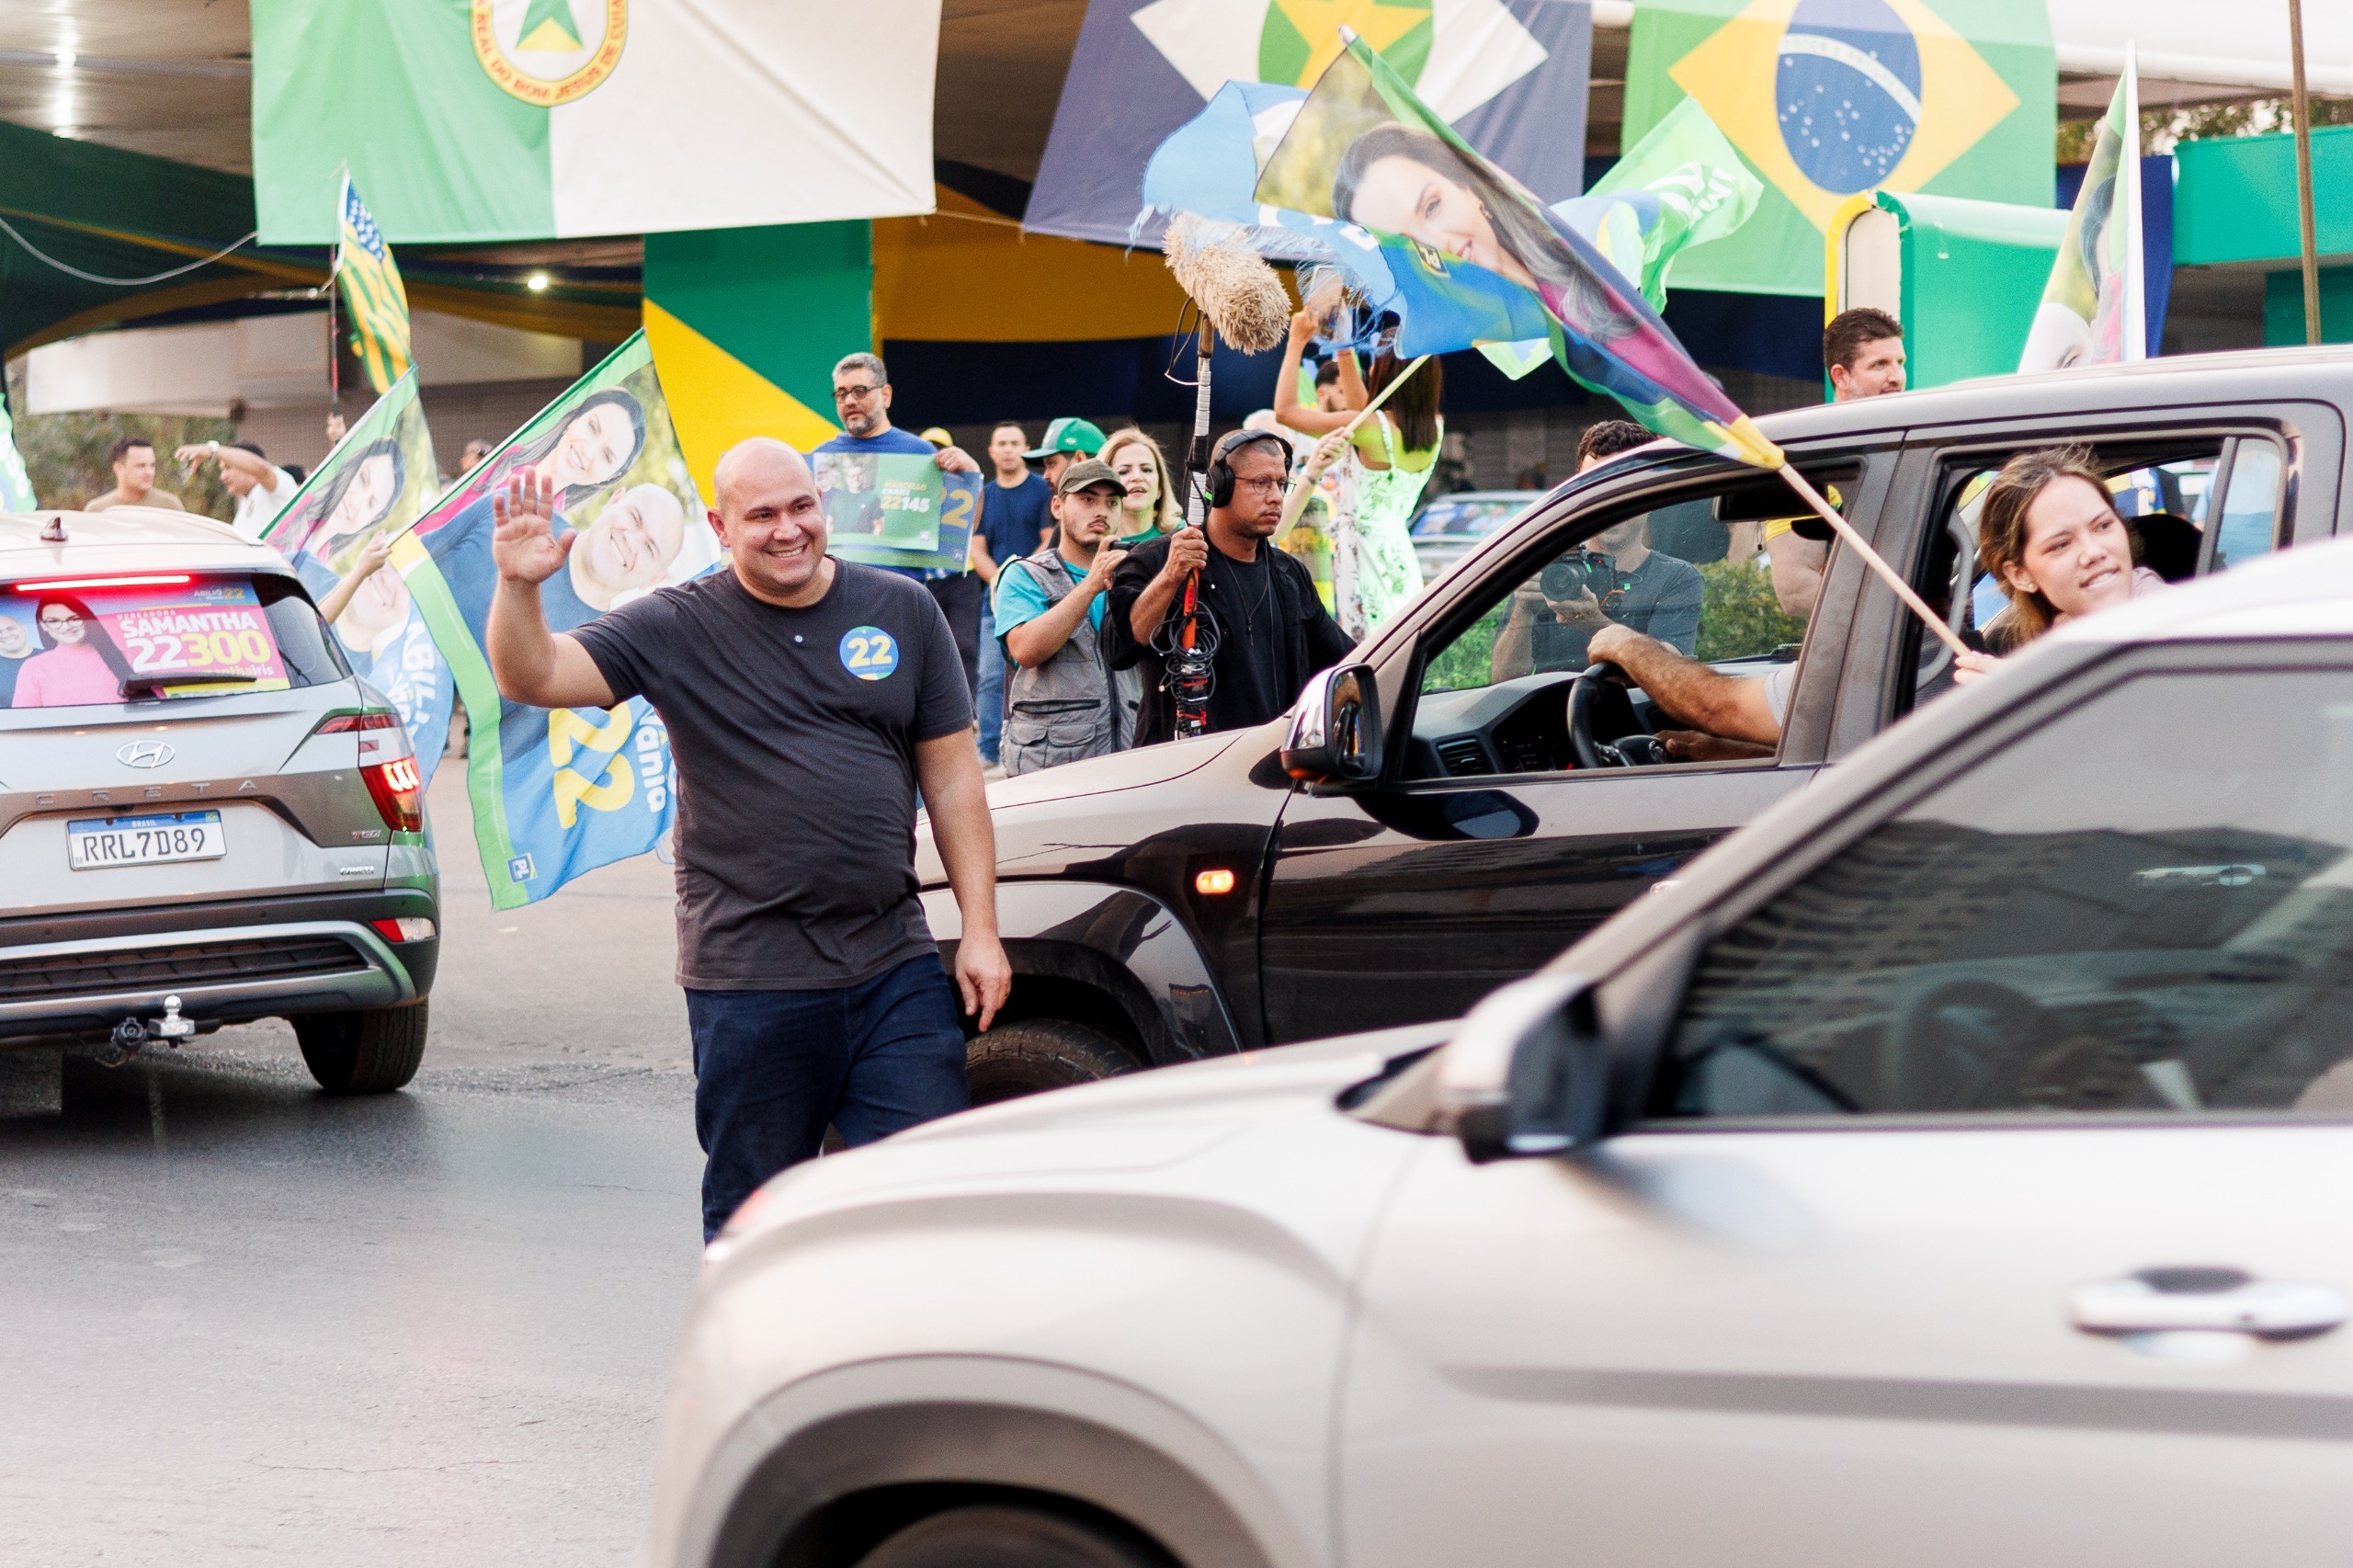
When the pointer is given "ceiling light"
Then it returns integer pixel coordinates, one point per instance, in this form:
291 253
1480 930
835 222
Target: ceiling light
537 282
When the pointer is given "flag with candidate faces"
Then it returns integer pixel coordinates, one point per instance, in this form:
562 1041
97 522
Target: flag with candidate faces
1828 99
371 288
559 792
1455 250
2091 310
380 479
1683 185
1510 75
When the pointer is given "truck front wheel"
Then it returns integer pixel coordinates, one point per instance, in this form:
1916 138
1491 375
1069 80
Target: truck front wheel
1036 1054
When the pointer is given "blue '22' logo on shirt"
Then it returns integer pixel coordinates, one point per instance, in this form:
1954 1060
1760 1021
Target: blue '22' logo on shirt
869 652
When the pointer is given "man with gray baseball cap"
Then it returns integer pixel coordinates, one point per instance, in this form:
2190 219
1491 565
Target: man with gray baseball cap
1061 704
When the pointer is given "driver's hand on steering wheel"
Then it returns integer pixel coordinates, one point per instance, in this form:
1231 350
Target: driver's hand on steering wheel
1611 636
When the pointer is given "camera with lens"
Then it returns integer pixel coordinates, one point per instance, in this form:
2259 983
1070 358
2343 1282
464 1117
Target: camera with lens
1587 571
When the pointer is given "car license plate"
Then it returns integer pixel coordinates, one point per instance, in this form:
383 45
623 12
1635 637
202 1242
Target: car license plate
97 842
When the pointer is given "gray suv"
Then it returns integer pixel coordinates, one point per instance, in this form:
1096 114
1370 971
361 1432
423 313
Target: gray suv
204 817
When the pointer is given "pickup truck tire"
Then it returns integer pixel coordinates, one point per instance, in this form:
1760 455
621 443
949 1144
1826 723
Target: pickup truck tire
997 1536
1032 1055
372 1050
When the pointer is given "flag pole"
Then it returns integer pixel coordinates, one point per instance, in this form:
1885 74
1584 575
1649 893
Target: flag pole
334 265
1872 559
335 364
1395 381
2303 104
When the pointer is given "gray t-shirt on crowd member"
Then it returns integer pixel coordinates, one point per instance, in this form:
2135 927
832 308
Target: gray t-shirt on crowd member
1661 598
794 732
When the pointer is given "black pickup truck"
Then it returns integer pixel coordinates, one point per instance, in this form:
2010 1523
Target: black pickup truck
1191 899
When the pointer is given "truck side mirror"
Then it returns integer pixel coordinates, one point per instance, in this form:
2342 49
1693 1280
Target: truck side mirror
1334 738
1529 1074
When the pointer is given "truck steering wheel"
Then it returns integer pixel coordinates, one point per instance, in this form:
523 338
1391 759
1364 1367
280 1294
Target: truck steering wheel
1592 689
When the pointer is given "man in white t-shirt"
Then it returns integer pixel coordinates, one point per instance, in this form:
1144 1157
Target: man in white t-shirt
260 486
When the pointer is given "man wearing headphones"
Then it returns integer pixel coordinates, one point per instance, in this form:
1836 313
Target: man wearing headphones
1271 631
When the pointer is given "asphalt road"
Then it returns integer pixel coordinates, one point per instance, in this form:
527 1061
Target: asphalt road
246 1323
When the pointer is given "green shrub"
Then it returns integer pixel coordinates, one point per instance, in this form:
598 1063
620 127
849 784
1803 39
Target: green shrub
1740 618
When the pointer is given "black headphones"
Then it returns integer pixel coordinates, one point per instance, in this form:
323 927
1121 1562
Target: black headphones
1219 491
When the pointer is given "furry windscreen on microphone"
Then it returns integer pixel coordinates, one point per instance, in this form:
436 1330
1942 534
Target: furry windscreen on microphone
1238 292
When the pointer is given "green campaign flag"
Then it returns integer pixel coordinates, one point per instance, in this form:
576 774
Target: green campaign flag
499 119
1828 99
887 509
559 792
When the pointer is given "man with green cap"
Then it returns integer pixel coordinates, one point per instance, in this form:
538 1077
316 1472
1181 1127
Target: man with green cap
1061 704
1066 440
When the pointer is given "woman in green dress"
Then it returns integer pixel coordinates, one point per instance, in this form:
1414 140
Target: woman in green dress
1374 571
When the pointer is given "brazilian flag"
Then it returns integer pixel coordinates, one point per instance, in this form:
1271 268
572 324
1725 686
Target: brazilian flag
1827 98
371 288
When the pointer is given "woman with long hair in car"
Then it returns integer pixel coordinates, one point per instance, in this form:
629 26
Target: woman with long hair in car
2050 537
78 664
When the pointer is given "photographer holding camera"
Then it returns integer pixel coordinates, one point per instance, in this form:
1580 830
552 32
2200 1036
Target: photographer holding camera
1617 579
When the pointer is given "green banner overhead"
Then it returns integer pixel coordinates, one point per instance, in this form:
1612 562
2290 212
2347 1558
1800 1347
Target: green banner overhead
1827 98
500 119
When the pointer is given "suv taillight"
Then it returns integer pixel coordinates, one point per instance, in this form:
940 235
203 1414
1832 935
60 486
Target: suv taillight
371 719
398 792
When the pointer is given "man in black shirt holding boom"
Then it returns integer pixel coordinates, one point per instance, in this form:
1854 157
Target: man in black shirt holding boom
1272 632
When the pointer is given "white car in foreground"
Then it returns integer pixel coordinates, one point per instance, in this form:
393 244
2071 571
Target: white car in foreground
1955 1166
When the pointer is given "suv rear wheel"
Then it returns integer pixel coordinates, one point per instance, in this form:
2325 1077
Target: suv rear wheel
1036 1054
372 1050
1005 1537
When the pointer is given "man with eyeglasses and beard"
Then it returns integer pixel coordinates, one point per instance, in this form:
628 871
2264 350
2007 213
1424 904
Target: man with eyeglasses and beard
1273 633
862 402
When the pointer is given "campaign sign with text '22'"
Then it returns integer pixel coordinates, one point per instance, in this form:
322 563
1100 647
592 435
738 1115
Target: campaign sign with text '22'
557 792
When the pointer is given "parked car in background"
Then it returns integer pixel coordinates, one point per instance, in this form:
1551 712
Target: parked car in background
1948 1168
1448 526
204 817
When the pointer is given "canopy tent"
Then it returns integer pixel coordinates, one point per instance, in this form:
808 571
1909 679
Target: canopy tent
128 236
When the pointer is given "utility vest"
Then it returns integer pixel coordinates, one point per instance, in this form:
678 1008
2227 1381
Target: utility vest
1065 709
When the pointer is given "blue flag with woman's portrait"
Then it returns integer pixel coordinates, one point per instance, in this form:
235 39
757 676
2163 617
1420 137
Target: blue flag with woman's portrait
380 479
559 792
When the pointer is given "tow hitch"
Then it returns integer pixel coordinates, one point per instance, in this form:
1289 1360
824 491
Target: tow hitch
132 1033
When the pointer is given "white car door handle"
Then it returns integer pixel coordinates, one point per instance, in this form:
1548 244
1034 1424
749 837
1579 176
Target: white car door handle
2161 1301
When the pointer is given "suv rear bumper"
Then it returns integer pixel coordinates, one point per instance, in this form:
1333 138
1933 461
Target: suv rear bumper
229 962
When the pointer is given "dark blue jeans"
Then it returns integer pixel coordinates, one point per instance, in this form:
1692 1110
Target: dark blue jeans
773 1067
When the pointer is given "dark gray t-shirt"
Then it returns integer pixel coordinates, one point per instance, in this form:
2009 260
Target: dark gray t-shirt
795 734
1661 598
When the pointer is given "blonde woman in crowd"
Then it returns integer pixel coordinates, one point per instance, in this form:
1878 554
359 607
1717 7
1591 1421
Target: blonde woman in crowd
1150 509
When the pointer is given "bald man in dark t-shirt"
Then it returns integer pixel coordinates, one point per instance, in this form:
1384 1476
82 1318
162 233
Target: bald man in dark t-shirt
806 700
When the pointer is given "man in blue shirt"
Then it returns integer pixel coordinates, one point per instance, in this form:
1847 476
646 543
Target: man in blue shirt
862 402
1013 523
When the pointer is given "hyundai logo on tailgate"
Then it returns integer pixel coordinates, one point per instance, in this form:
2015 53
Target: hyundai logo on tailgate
144 753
